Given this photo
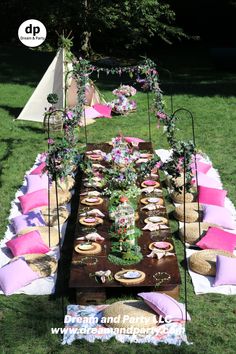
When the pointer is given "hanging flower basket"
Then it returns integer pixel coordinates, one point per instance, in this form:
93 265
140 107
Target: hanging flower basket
53 121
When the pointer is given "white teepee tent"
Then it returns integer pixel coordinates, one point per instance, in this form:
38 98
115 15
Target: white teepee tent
52 81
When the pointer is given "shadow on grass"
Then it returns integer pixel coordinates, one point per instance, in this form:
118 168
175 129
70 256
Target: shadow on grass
13 111
29 128
62 284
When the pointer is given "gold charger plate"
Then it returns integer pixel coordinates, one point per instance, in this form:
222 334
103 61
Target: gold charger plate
95 250
145 201
98 221
125 281
151 247
98 202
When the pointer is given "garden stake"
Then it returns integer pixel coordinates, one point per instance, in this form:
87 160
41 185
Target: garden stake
195 162
149 118
185 255
59 239
49 229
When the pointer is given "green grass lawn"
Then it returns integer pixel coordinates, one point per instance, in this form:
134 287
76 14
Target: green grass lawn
197 85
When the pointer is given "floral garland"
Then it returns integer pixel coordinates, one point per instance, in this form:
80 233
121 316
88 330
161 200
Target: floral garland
61 159
82 69
182 153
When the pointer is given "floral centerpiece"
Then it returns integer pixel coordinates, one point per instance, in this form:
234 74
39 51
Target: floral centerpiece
125 90
121 155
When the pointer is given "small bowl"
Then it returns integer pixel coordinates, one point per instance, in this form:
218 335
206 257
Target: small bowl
154 219
149 182
145 155
162 245
131 275
153 200
92 200
90 220
85 246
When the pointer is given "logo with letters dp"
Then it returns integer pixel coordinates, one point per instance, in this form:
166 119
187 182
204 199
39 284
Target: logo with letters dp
32 33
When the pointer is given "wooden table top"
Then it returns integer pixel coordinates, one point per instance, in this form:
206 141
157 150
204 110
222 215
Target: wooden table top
82 276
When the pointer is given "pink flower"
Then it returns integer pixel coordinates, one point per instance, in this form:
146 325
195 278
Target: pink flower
69 114
51 141
161 115
43 156
158 164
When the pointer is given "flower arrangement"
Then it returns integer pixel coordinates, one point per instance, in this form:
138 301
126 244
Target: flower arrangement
122 105
125 90
144 169
116 179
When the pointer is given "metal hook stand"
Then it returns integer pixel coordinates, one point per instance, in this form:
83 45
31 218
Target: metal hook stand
184 201
149 117
59 238
54 178
195 158
49 199
185 253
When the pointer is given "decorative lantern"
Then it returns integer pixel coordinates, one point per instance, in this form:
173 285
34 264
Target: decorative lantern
125 221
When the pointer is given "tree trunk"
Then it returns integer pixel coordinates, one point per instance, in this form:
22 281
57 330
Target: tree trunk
86 35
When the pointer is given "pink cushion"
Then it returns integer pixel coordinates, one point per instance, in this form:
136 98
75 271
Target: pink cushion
211 196
36 182
33 218
27 244
218 239
33 200
90 112
201 167
130 139
224 271
39 170
165 306
103 109
220 216
206 181
15 275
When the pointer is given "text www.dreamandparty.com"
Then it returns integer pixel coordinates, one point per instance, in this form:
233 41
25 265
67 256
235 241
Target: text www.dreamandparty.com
102 331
